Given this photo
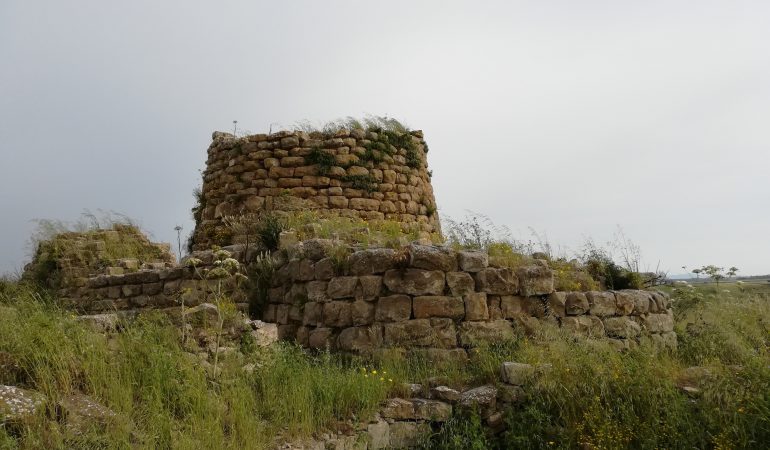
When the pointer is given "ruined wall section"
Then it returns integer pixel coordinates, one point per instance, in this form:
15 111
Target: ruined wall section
355 173
442 302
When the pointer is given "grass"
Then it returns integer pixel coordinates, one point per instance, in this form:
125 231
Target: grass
585 395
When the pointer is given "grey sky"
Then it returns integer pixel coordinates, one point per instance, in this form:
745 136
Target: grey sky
567 117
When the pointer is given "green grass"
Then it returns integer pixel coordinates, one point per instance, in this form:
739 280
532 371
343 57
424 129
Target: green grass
585 394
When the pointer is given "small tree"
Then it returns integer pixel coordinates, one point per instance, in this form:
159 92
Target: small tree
714 272
697 273
732 271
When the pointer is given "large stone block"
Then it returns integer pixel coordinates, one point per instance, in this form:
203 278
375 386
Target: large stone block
342 287
370 287
477 333
584 325
337 314
362 312
415 281
621 327
658 323
513 306
602 303
535 280
312 313
577 303
432 410
518 374
316 291
437 333
321 338
371 261
497 281
438 306
360 339
473 261
460 283
476 306
624 302
430 257
394 308
557 304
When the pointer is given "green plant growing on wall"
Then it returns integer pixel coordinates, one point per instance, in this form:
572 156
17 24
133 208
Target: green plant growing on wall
322 159
364 182
260 274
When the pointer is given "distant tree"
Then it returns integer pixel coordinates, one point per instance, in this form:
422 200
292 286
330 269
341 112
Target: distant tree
714 272
697 273
732 271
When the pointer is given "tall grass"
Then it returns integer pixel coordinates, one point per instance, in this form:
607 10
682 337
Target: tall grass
585 394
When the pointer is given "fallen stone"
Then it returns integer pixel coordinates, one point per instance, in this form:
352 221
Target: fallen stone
517 374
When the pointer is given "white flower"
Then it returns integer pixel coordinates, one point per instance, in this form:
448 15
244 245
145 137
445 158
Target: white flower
193 262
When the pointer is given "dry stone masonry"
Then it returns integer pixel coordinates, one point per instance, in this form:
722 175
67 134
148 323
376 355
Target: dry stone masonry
355 173
442 302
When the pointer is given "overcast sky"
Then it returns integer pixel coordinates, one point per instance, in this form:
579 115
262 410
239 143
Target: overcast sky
567 117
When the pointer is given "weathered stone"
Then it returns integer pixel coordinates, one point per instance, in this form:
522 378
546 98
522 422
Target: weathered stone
82 413
497 281
535 280
518 374
584 325
493 305
460 283
621 327
511 394
473 261
321 338
371 261
415 281
476 306
362 312
265 334
602 303
483 397
438 306
370 287
441 356
101 322
665 340
304 270
658 323
430 257
312 313
577 303
624 302
203 315
360 339
557 304
432 410
420 333
475 333
342 287
316 291
398 409
512 306
407 434
19 405
445 393
394 308
378 435
324 269
337 314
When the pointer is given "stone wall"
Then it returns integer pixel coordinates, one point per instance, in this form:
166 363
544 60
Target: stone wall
442 301
356 173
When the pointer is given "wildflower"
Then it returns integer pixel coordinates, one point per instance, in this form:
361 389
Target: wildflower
366 375
390 379
740 410
374 372
382 379
192 262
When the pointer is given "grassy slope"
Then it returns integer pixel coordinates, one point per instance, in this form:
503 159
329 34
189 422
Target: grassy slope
591 396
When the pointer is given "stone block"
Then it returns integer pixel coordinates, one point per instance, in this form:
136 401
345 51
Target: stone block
602 303
371 261
316 291
342 287
321 338
557 304
415 281
497 281
394 308
324 269
408 434
312 313
658 323
362 312
476 306
337 314
476 333
473 261
430 257
512 306
438 306
360 339
460 283
624 303
518 374
535 280
369 287
493 305
621 327
420 333
577 304
583 325
431 410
